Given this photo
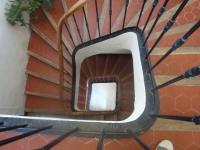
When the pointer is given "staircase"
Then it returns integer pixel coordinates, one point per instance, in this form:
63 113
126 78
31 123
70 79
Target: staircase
50 71
105 68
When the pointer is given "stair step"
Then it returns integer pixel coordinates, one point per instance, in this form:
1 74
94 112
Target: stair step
180 100
44 37
168 40
44 105
42 76
49 96
180 51
50 18
47 68
43 26
174 30
39 46
174 125
195 81
117 15
42 86
56 11
182 19
175 64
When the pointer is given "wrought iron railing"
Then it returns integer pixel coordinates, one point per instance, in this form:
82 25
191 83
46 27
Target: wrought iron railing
63 23
80 5
191 73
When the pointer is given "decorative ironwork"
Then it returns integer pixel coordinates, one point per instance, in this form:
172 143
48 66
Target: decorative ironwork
188 74
155 2
140 15
58 140
168 25
70 35
177 44
160 13
18 137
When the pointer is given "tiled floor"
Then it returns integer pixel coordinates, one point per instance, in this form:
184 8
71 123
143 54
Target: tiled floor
181 140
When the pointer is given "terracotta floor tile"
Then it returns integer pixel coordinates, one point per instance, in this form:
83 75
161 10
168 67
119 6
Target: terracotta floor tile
134 145
193 147
195 102
183 139
182 103
114 145
90 146
48 137
148 137
36 142
75 143
17 145
2 136
196 138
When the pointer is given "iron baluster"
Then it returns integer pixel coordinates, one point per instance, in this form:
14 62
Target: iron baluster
77 28
140 15
155 2
12 127
160 13
142 144
177 44
168 26
86 22
97 13
110 14
125 12
195 71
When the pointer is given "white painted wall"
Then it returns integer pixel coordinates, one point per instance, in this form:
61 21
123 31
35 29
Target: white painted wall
13 60
103 96
121 44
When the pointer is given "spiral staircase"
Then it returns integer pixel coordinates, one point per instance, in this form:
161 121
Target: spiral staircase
73 43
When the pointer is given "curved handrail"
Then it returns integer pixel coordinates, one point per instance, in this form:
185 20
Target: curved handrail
74 8
70 12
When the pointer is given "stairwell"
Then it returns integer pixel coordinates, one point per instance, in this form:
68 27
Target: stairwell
43 73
